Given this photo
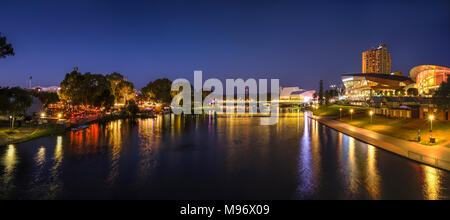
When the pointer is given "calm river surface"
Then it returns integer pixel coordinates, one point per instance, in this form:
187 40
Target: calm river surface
212 158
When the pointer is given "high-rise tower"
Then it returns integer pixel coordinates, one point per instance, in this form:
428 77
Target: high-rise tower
376 60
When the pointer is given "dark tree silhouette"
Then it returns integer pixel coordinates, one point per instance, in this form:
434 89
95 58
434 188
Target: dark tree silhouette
321 95
441 97
47 98
158 91
86 89
132 108
5 48
121 89
14 102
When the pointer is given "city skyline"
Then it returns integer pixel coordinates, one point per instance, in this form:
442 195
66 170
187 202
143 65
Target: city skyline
243 102
299 43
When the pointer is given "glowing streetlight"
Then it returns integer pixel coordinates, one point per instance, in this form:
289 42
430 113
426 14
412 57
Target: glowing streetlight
431 120
351 114
59 115
431 124
371 117
42 115
340 113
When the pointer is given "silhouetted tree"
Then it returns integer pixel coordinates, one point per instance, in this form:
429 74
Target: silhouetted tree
86 89
47 98
441 97
120 88
132 108
14 102
321 92
5 48
158 91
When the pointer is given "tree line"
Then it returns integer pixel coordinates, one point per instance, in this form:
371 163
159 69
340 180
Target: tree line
100 90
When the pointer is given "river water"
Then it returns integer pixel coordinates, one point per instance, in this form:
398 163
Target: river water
205 157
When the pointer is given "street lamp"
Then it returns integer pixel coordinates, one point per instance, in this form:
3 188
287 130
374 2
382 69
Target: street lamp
371 117
351 114
431 119
42 115
59 115
10 121
431 128
340 113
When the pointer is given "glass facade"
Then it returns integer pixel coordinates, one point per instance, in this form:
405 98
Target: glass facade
429 77
360 87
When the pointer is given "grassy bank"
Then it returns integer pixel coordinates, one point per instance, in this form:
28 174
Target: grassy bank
334 110
8 135
406 129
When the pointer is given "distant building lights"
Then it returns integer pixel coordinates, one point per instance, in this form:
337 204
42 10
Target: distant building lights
348 79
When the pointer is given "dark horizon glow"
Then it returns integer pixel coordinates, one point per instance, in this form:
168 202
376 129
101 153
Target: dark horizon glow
299 42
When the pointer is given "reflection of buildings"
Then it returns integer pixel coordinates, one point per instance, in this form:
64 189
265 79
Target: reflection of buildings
376 60
428 78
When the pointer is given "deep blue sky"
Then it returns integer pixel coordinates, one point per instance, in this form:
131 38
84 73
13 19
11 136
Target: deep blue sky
299 42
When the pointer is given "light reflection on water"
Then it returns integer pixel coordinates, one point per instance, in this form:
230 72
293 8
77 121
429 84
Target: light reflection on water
114 134
432 183
149 141
373 177
9 161
208 157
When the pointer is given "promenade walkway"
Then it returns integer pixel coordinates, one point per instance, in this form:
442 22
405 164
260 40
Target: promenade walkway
436 156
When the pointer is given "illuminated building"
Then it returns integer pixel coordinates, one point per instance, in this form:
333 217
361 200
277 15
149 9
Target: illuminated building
376 60
428 78
295 95
361 87
302 96
285 92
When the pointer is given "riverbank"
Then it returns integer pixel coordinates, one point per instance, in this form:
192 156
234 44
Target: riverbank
415 130
405 129
339 110
18 135
23 134
436 156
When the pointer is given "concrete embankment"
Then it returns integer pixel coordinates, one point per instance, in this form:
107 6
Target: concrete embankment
436 156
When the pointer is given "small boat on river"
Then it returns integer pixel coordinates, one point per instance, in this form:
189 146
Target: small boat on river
79 128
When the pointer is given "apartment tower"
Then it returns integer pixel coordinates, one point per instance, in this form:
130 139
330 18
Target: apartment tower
376 60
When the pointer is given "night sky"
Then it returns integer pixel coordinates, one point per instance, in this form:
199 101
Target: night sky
299 42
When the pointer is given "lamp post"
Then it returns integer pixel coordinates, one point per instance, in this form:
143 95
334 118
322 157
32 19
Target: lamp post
371 117
431 119
10 121
431 128
340 113
351 114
